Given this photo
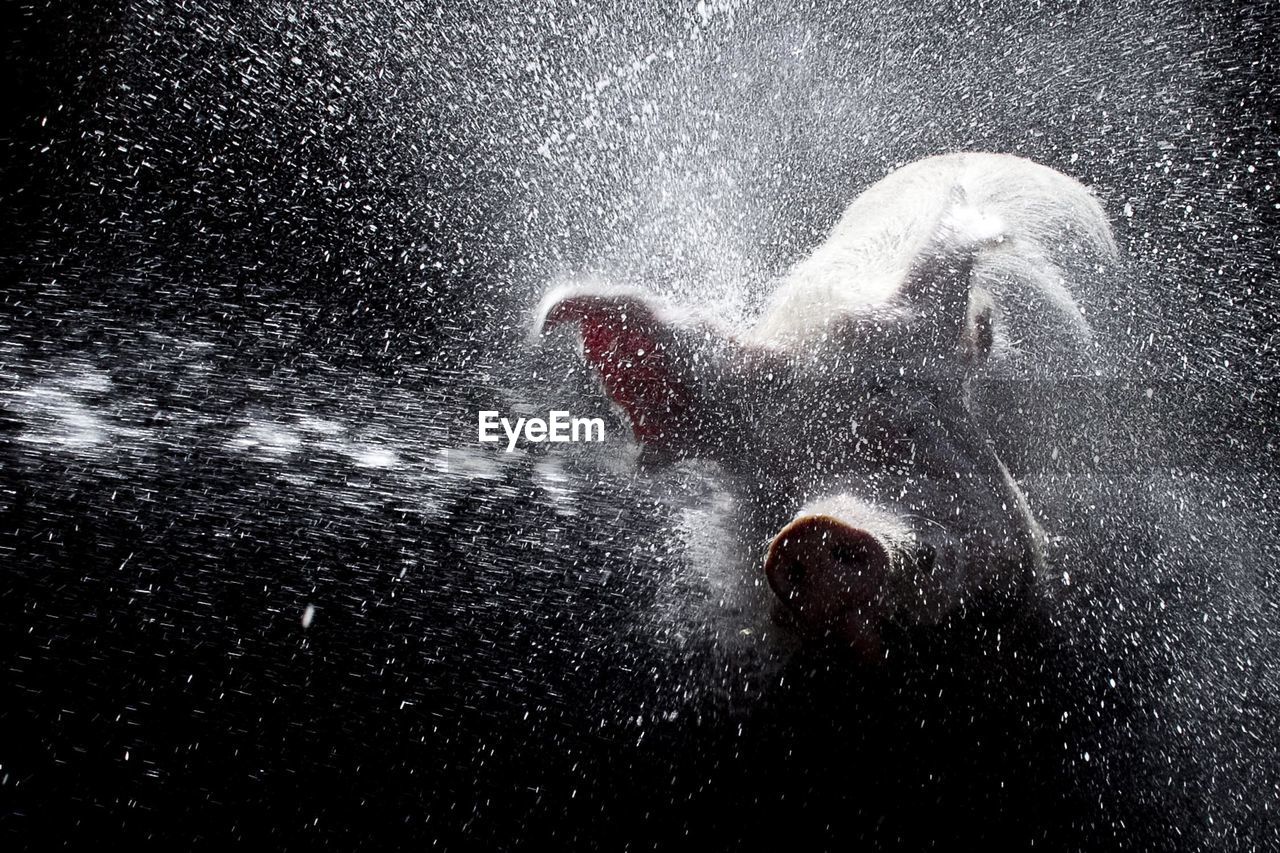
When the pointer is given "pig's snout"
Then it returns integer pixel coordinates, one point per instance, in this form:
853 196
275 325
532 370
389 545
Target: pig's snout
831 575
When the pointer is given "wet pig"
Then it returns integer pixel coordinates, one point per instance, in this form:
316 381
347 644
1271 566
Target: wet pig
844 412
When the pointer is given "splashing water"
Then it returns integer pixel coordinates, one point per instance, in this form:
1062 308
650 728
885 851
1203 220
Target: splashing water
267 261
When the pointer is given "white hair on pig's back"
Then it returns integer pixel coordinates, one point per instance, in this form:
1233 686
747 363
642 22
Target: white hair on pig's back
1046 220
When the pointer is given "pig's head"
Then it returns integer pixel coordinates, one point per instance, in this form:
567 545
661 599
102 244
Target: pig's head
851 443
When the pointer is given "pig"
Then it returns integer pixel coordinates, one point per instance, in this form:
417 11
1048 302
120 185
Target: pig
844 415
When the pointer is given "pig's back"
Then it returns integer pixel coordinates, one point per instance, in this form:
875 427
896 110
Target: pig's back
1048 218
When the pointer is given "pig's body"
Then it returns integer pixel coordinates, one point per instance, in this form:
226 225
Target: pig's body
1047 226
843 414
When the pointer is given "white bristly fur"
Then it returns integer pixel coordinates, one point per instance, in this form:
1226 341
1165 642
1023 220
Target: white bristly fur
1027 222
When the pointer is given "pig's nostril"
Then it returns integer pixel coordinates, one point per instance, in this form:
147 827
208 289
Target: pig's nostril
791 576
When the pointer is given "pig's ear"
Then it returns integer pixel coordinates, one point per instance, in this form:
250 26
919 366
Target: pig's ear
953 320
644 357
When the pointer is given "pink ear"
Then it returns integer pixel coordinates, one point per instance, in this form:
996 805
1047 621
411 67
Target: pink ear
634 350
